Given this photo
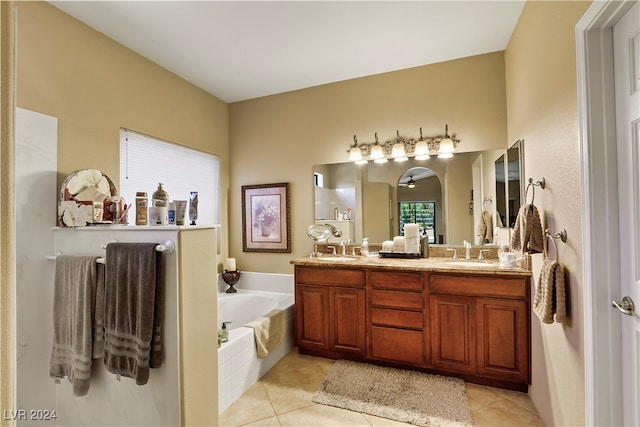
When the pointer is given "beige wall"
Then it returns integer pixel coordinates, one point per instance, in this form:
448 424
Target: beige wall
542 108
7 244
278 138
94 86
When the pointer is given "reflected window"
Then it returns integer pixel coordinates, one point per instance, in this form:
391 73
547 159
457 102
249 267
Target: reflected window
422 213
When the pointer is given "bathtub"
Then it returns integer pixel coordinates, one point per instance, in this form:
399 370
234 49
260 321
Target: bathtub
238 364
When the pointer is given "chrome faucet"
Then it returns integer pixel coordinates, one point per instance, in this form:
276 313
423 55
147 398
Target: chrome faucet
343 248
482 251
467 248
455 253
333 249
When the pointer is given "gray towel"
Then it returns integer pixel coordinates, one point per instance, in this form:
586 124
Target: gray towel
550 297
527 232
134 300
485 227
76 279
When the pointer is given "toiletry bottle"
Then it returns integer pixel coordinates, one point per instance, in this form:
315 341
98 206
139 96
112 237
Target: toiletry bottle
172 213
161 196
141 208
225 332
424 246
364 247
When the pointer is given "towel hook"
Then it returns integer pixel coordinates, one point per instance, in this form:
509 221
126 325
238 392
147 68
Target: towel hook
562 235
539 183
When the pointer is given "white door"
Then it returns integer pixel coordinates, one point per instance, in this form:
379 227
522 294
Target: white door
626 37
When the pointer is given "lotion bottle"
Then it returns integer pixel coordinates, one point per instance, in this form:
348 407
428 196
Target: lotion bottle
364 247
161 196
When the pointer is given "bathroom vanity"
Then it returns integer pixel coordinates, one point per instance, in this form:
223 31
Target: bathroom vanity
470 319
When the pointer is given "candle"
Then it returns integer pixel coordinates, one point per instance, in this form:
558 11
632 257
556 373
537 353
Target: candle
398 244
230 264
411 230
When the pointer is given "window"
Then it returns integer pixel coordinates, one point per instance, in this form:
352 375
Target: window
422 213
147 161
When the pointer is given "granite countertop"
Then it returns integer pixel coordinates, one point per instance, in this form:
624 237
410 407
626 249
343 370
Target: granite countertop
475 266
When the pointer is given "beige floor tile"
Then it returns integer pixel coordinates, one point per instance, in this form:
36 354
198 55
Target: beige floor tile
292 385
267 422
522 399
283 398
481 396
322 416
383 422
505 413
253 405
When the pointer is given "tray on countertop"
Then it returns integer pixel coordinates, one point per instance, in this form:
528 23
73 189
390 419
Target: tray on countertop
405 255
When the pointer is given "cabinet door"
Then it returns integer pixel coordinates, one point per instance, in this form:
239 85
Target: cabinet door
312 321
503 338
453 333
347 314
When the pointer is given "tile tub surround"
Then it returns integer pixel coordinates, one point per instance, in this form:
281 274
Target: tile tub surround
283 398
238 364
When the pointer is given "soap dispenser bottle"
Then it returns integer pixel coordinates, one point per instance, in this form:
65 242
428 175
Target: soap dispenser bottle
224 335
161 196
364 247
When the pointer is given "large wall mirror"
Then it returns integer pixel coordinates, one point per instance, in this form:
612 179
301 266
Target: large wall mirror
509 183
447 196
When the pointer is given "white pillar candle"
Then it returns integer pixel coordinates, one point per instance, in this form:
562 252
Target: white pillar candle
230 264
411 230
398 244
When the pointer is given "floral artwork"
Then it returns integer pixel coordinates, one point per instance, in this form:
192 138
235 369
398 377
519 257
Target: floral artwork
265 225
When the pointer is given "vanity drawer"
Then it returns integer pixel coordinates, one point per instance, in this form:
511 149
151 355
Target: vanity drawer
394 299
515 287
396 280
329 276
397 318
397 345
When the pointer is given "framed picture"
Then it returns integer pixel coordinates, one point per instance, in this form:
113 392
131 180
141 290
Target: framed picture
265 218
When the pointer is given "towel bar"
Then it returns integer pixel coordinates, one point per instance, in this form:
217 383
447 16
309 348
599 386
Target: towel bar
562 235
168 247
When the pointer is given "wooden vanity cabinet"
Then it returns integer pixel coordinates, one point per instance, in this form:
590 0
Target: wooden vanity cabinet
330 311
475 326
396 325
481 325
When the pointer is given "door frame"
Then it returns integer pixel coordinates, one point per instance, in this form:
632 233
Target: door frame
599 190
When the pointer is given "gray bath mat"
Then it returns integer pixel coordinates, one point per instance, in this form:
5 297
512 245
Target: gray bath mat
397 394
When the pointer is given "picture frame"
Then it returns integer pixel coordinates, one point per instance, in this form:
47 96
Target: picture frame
266 225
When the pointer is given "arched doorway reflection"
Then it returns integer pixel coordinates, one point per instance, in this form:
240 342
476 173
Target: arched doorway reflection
420 202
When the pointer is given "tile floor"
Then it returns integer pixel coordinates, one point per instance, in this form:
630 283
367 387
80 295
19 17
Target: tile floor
283 398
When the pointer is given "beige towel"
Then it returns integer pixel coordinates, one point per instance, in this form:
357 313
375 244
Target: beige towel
485 227
134 299
268 331
74 310
527 233
550 297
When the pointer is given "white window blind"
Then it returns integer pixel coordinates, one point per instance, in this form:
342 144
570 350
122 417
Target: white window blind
147 161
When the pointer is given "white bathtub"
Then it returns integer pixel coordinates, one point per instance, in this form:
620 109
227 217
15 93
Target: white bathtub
238 364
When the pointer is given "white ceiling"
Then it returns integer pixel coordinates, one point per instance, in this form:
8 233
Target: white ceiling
239 50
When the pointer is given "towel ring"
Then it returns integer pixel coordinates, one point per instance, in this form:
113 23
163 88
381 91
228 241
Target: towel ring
562 235
540 183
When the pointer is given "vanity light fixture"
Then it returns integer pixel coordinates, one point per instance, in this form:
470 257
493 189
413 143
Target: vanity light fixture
377 155
421 149
355 154
401 149
398 151
446 148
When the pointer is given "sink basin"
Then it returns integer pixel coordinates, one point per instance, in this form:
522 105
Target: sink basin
336 258
474 264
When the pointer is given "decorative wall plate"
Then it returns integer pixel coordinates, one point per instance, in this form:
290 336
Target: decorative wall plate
82 197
